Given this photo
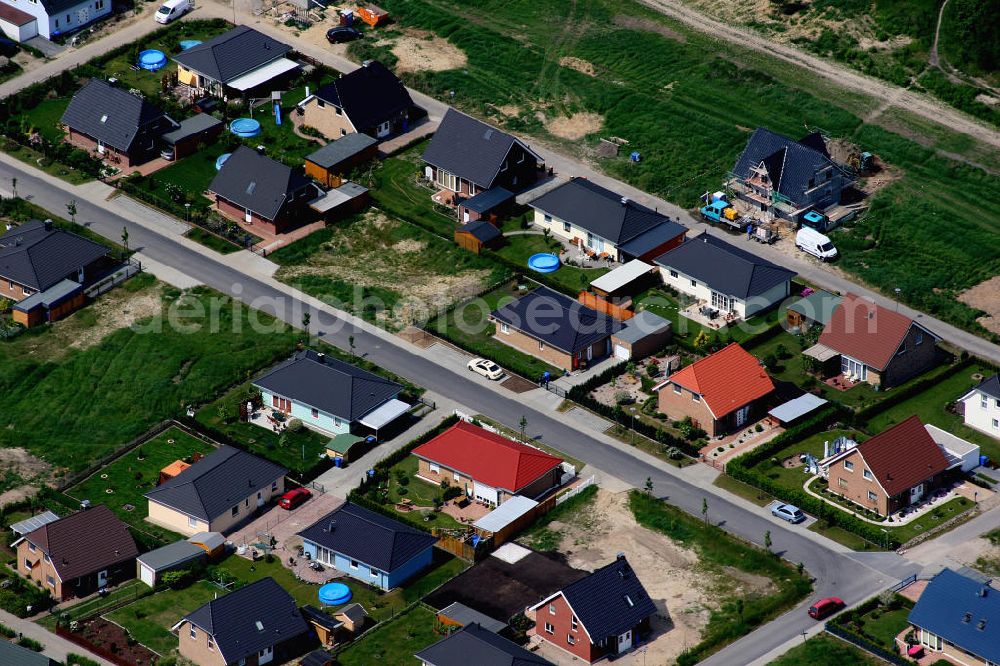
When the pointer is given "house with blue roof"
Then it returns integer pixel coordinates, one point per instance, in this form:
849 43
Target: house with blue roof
368 546
958 617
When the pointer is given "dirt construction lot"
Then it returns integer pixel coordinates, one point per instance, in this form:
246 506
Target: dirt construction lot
683 591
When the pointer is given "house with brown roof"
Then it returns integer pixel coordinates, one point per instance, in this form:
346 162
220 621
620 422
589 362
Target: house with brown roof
722 392
875 345
892 470
79 554
489 467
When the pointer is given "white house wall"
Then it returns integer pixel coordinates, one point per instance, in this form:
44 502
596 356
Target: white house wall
983 418
700 291
68 20
20 33
556 226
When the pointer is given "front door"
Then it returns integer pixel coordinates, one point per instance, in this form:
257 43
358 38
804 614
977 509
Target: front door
916 493
590 352
260 498
102 578
624 641
249 216
383 129
265 656
100 147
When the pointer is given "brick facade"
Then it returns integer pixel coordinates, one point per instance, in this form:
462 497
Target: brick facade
549 354
110 155
539 486
851 484
558 617
519 171
678 405
915 359
35 567
328 119
14 291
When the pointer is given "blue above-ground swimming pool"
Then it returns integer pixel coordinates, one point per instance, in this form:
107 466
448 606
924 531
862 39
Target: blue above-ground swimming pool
334 594
543 262
152 59
245 127
222 160
188 43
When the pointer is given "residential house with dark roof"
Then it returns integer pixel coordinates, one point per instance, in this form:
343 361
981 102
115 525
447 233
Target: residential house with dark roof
466 156
489 467
256 624
788 178
957 617
370 100
257 191
722 392
330 164
892 470
876 345
15 655
604 614
240 62
980 407
120 127
488 206
216 494
79 554
736 283
175 556
605 223
474 645
368 546
329 395
23 19
555 328
45 269
192 134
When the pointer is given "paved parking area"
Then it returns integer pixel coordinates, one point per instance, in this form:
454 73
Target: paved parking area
283 525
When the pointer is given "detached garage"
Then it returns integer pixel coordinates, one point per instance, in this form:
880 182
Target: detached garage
643 335
16 24
178 555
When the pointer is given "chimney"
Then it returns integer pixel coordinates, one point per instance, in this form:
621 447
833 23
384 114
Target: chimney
620 556
321 356
624 201
48 225
333 524
982 591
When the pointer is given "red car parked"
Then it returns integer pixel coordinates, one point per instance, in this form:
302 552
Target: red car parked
825 607
293 498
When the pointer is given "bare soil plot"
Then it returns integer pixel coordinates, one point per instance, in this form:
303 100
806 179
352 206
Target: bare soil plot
985 296
418 51
576 126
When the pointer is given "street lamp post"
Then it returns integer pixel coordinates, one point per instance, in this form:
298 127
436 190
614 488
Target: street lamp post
897 290
886 537
187 212
632 410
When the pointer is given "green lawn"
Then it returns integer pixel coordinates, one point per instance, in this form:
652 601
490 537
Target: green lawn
298 451
886 626
794 477
749 493
571 279
394 642
129 478
149 619
396 192
468 327
577 510
192 174
211 241
131 589
841 536
941 514
100 397
46 116
930 406
420 492
828 651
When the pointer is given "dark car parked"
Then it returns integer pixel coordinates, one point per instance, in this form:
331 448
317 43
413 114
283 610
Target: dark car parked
341 34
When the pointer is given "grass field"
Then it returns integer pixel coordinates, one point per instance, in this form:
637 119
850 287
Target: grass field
135 474
931 405
680 99
395 642
468 326
572 279
419 492
827 650
357 266
149 619
73 410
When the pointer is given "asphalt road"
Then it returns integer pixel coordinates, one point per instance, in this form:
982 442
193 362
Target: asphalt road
836 571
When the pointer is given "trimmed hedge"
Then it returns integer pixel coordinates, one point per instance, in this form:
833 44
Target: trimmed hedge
741 469
864 415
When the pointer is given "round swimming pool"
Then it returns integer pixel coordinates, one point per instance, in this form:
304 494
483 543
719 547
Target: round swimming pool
334 594
543 262
245 127
222 160
188 43
152 59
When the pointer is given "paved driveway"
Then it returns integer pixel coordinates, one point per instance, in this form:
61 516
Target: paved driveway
282 524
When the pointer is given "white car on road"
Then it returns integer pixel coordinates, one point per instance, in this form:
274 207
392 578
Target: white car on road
486 368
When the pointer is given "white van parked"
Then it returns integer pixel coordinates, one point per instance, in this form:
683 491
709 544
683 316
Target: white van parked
172 9
813 242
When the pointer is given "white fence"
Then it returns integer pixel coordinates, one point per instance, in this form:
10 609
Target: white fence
576 491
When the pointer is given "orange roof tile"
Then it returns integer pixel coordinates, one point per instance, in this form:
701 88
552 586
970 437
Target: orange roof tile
726 380
865 331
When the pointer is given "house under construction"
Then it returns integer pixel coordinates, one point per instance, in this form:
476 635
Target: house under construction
785 179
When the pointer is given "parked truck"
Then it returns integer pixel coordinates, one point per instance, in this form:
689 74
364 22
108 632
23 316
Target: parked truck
718 209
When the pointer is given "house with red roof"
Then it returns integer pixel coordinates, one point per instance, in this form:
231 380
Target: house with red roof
489 467
875 345
892 470
721 393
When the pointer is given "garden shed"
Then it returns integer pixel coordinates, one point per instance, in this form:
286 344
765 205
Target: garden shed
151 566
478 235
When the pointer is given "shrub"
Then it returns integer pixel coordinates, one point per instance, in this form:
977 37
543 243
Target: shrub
451 492
30 643
295 425
178 580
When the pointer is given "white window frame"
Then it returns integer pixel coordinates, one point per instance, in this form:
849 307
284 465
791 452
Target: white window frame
457 476
872 497
193 632
868 475
434 467
211 644
984 401
504 328
549 629
51 581
849 465
677 388
571 639
354 564
447 180
552 609
192 522
567 227
31 547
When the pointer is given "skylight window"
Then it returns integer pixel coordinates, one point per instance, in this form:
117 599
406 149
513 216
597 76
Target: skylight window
629 601
260 625
104 118
251 187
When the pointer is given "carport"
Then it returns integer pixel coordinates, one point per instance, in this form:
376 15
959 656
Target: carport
382 416
796 408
